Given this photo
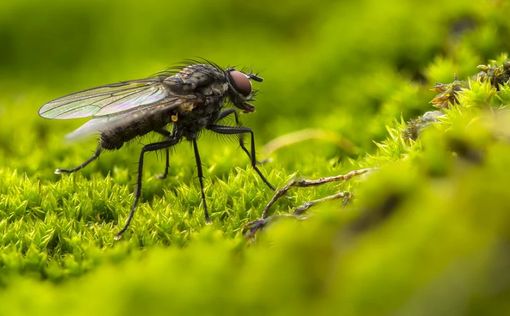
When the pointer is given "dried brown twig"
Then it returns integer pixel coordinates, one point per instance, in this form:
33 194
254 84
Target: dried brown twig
252 227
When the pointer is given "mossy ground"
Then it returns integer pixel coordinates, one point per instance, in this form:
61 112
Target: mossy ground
427 233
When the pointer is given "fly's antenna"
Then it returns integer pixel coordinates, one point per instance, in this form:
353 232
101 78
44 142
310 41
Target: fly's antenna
255 77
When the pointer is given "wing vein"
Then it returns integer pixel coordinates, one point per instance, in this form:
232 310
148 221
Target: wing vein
106 100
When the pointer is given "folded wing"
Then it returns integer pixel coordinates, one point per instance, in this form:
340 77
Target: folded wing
100 124
106 100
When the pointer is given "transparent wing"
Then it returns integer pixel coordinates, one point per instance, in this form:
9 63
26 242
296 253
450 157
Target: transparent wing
93 126
106 100
104 123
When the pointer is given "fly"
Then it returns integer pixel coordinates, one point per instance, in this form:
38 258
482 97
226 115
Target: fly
191 98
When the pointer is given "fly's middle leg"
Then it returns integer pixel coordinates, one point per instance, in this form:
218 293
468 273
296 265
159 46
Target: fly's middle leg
201 179
82 165
167 135
138 189
167 165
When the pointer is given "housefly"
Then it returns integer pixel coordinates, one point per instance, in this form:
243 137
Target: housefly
190 98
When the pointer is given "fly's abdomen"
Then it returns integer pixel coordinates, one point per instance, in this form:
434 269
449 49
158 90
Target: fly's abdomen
138 125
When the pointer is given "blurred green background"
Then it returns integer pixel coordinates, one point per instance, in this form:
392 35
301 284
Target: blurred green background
331 64
346 74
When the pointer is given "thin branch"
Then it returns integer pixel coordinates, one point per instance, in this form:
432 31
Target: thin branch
251 228
308 183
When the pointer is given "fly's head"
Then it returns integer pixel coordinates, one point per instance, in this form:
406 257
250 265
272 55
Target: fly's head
239 88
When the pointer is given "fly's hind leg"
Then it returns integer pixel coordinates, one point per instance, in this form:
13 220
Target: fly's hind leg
82 165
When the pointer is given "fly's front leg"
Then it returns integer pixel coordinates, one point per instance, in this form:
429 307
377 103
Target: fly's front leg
138 189
238 123
82 165
226 113
239 130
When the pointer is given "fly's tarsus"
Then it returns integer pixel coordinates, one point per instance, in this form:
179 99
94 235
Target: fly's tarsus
82 165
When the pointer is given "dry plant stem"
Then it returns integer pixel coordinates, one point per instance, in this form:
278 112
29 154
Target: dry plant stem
308 183
257 225
339 195
253 227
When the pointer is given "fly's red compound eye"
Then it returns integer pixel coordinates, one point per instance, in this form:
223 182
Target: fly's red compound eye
241 82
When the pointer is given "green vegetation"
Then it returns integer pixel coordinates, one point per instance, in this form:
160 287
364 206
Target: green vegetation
427 233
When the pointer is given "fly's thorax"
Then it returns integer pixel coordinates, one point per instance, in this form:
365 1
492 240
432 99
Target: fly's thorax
203 110
205 101
196 78
215 89
194 117
203 90
188 106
